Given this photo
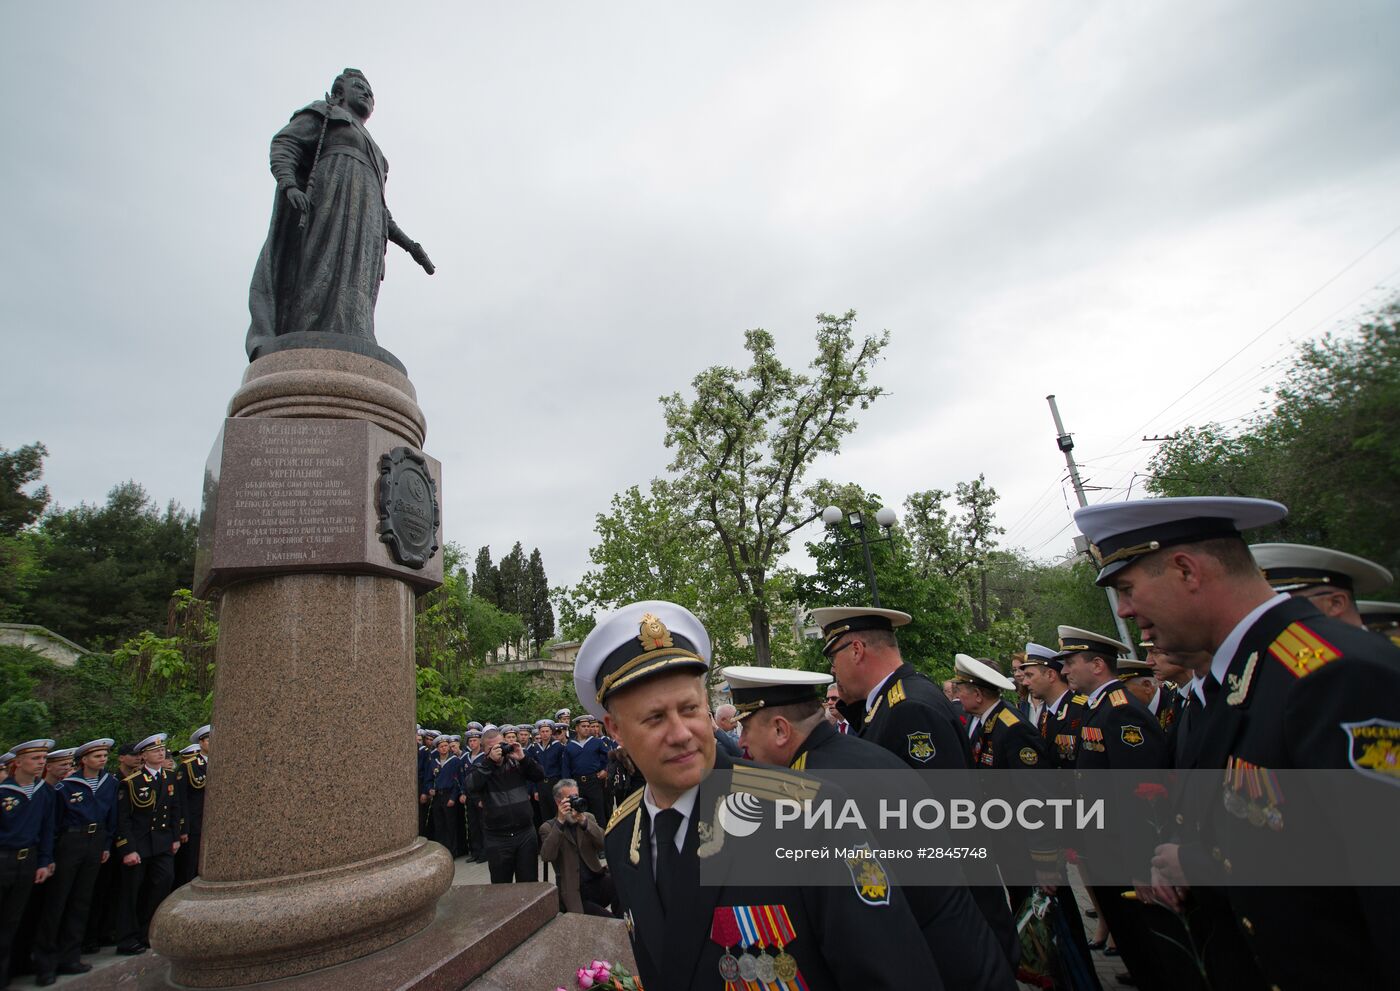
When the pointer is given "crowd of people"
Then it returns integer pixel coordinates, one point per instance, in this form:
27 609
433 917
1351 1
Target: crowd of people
1257 658
88 853
1256 663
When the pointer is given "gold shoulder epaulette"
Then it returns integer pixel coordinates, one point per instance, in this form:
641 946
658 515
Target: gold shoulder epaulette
1117 698
1079 699
628 806
773 784
1006 717
897 692
133 774
800 764
1302 651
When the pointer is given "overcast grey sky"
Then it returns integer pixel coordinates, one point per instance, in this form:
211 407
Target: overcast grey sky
1100 200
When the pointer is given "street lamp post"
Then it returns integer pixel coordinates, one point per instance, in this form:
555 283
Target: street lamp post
884 516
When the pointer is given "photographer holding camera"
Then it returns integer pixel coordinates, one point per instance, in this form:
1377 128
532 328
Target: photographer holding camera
500 780
571 842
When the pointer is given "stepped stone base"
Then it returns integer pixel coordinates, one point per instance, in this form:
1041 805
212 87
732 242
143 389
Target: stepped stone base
486 938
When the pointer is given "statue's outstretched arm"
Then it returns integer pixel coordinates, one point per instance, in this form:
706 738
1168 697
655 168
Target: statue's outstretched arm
415 249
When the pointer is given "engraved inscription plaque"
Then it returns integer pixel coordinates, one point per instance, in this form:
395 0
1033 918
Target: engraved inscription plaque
299 494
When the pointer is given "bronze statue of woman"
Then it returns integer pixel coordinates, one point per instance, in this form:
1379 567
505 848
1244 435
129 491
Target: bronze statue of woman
317 279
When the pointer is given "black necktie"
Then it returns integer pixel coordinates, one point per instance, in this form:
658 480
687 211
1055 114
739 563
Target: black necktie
665 827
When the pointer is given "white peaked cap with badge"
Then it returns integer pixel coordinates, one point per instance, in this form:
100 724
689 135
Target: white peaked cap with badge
1073 640
1120 533
755 688
1038 652
981 672
206 729
152 741
635 642
190 751
1293 566
838 620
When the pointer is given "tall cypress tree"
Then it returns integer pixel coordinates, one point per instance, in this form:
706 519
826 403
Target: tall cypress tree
540 619
486 578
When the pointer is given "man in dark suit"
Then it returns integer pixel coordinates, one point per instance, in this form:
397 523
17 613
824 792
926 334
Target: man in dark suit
644 667
1286 688
783 724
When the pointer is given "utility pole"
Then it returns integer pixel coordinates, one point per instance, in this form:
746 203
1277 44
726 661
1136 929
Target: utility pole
1066 443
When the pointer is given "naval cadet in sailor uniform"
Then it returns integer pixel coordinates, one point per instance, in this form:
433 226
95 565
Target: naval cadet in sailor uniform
894 706
85 827
27 814
149 825
1287 688
643 668
781 714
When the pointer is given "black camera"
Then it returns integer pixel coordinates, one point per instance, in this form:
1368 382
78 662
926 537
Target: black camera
578 803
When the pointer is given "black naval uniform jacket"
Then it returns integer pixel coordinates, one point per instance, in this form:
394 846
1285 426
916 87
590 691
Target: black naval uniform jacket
1060 727
913 719
1302 691
841 940
1120 733
966 952
1006 740
149 817
192 793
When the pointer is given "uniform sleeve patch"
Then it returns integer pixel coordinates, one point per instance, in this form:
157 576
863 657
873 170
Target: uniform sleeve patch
1029 757
1301 650
868 877
1131 735
921 747
1373 748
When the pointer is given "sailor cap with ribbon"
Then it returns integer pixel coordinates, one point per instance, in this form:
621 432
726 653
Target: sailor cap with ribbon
1073 640
634 643
1120 533
754 688
969 670
91 745
29 746
1290 567
65 754
838 620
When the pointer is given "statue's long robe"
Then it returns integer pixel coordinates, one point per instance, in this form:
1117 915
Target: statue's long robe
323 278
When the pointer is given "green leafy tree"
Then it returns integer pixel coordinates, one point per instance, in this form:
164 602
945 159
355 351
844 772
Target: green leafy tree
649 546
744 443
437 707
19 468
518 698
108 571
1050 595
20 547
1326 446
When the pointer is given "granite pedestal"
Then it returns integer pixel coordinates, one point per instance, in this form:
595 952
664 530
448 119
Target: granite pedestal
317 498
